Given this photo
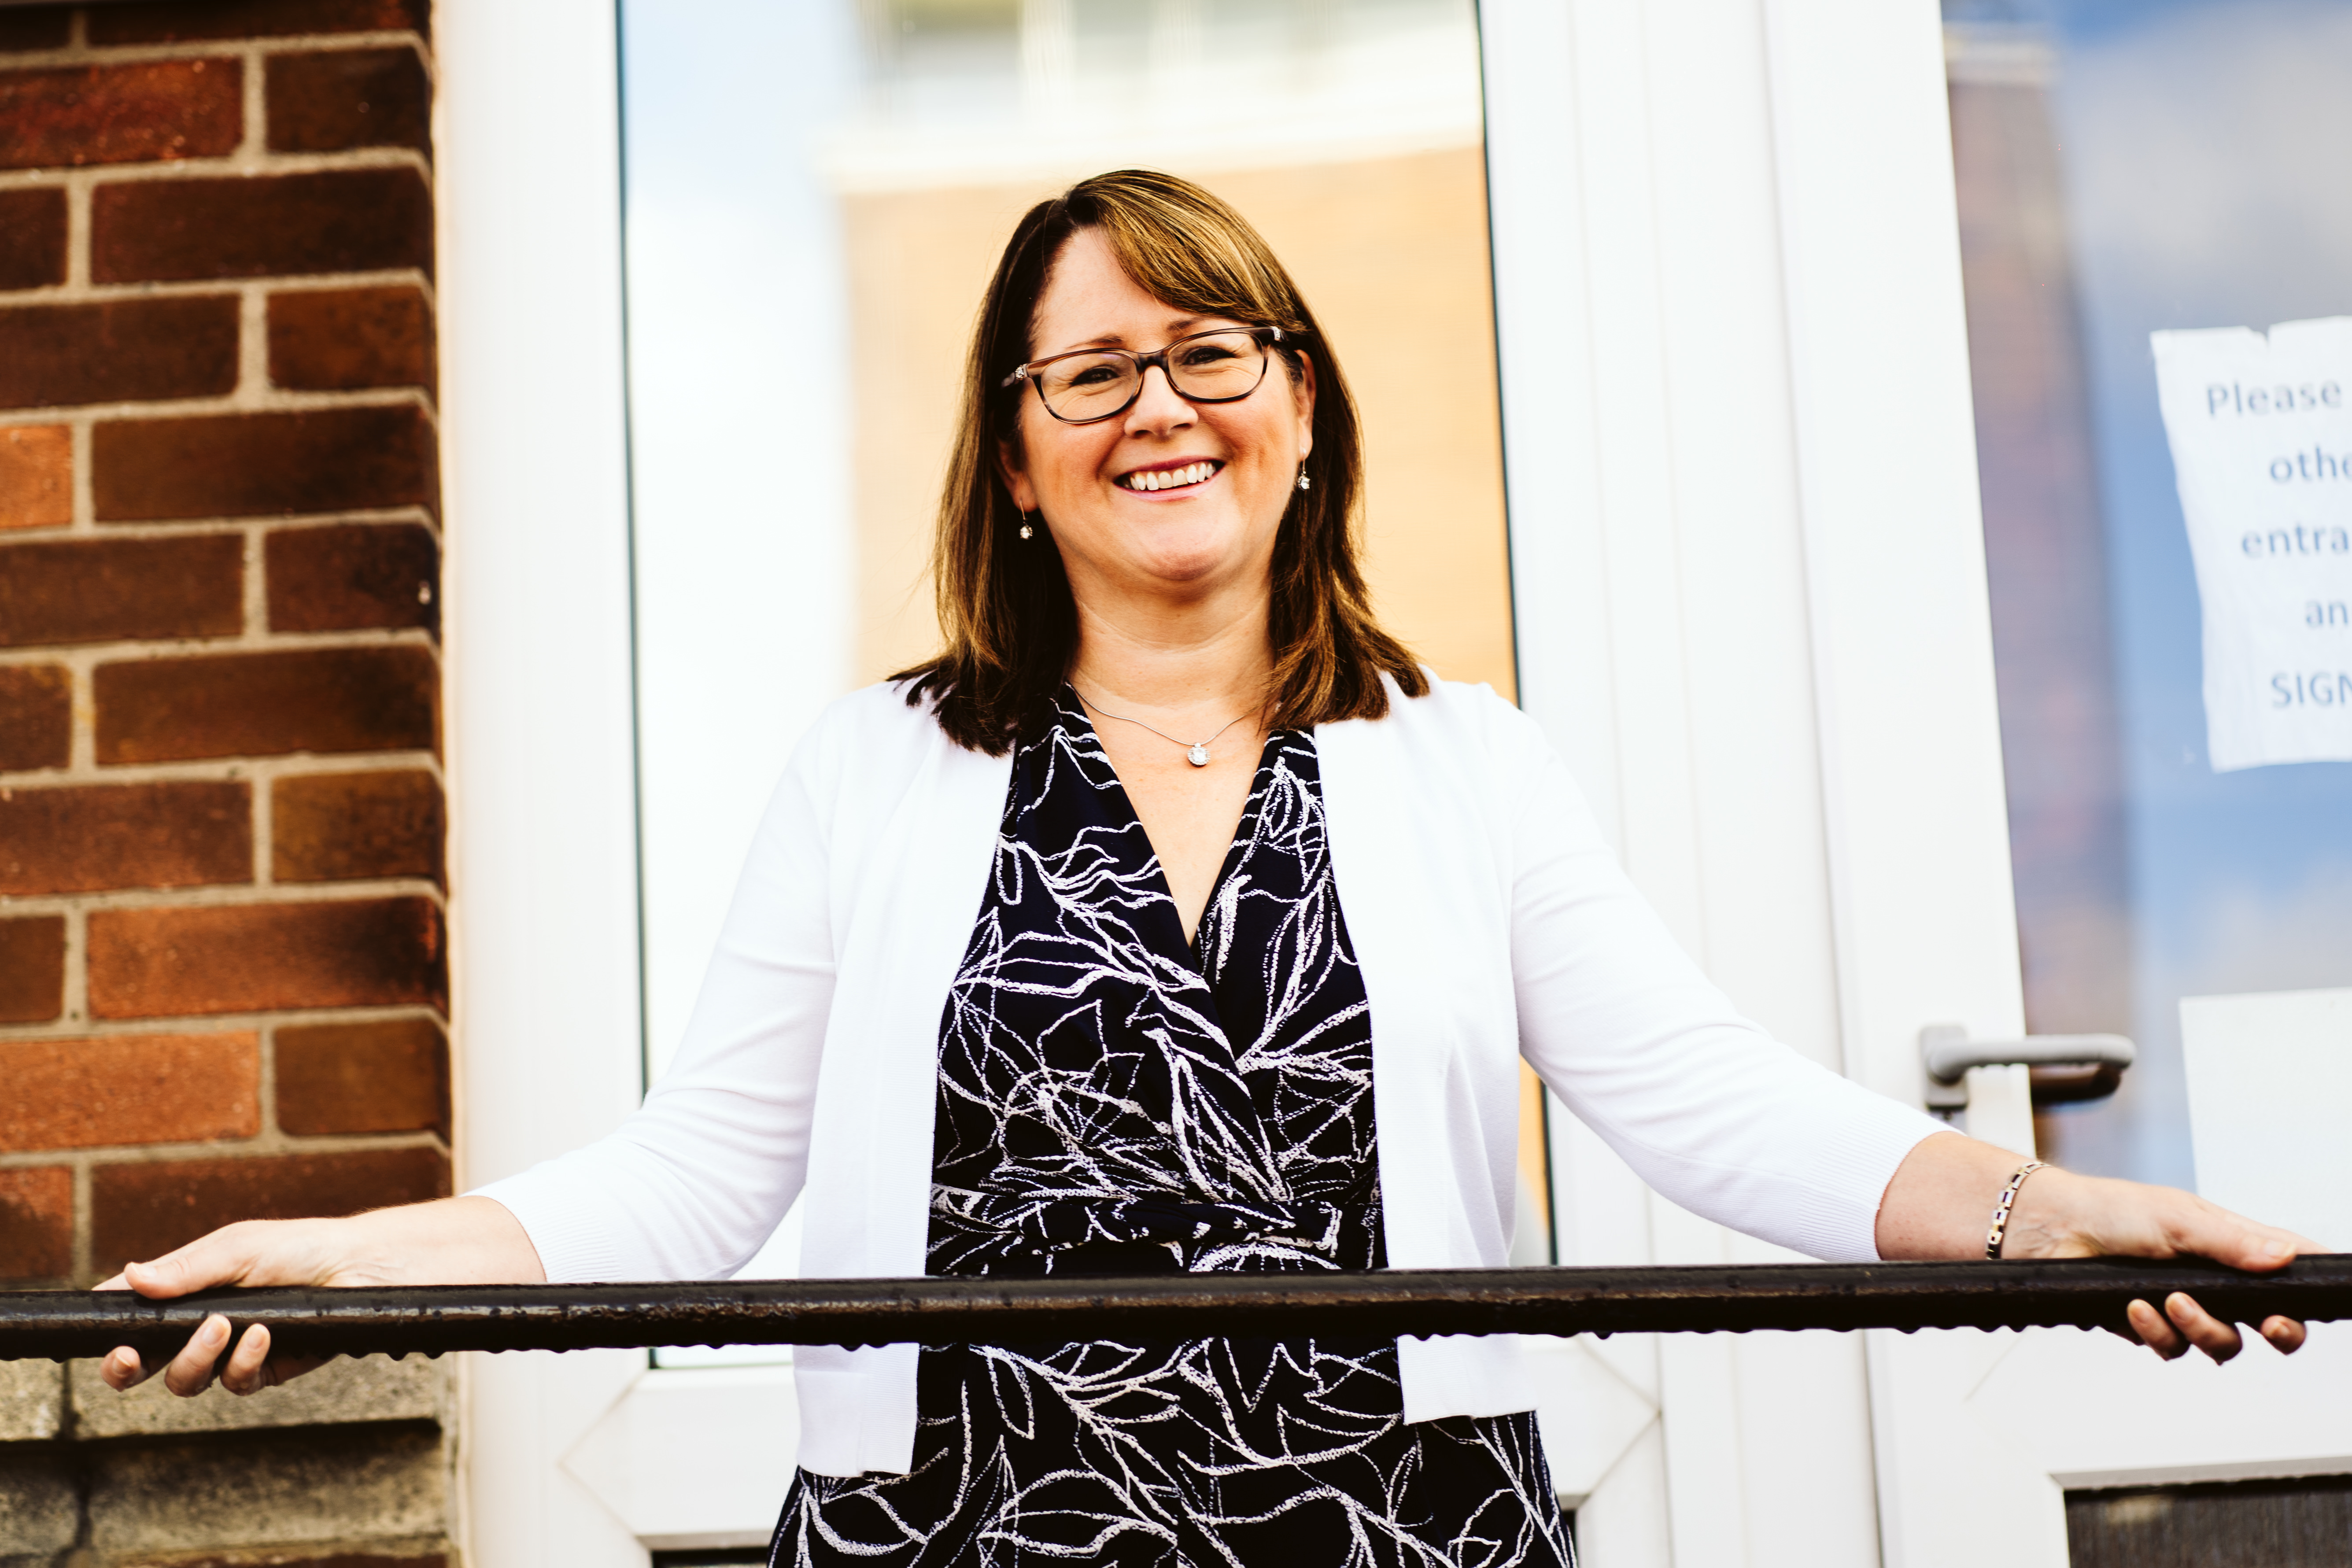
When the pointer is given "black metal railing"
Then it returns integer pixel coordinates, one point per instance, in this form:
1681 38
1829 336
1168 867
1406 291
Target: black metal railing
2090 1293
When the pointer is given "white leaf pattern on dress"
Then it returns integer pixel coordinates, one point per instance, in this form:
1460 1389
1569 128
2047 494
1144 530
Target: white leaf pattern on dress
1109 1095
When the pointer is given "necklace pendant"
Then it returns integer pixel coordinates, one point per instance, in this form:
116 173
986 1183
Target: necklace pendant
1198 755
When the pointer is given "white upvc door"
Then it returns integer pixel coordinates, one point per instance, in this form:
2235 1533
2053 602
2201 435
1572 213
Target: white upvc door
1665 586
1752 610
1978 1435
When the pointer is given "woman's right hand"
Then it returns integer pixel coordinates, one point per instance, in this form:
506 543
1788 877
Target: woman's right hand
455 1241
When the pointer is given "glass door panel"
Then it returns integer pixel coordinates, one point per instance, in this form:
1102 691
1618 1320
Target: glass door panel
816 195
2127 167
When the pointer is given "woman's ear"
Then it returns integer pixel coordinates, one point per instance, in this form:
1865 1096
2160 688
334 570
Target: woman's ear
1008 463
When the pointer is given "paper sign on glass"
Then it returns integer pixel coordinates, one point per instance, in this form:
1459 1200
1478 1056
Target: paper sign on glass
2261 430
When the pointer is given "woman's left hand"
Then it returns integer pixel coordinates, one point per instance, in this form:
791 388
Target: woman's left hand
1940 1204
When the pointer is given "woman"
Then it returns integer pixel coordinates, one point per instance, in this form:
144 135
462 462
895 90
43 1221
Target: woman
1264 917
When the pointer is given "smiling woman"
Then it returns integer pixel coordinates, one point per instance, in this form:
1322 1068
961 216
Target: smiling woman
1116 304
1123 270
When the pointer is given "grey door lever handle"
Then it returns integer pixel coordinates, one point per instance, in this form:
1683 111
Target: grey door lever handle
1999 1083
1948 1054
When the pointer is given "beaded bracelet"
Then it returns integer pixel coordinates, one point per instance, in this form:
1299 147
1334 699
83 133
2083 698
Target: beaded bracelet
2000 1210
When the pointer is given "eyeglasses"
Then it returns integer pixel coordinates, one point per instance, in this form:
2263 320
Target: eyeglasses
1087 384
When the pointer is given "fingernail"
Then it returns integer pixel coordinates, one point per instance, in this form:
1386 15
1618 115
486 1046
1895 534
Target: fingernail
2280 1250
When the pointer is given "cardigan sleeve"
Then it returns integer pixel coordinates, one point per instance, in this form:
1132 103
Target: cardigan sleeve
1710 1111
692 1183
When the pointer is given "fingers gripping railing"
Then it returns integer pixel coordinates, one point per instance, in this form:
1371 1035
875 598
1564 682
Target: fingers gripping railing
1737 1299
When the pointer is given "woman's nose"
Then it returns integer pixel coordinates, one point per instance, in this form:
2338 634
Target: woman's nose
1157 408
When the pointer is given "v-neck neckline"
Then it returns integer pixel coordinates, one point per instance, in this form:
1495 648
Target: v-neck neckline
1237 847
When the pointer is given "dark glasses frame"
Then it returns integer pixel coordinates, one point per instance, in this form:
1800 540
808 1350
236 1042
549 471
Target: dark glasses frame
1266 339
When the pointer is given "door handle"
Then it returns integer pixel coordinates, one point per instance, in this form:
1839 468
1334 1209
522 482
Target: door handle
2062 1067
1998 1083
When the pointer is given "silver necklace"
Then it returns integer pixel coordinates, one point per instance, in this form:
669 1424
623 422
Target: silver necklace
1197 754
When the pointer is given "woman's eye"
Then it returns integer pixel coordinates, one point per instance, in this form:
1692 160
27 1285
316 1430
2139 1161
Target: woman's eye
1094 375
1207 355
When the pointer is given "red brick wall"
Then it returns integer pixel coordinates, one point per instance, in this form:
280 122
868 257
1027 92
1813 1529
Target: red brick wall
222 971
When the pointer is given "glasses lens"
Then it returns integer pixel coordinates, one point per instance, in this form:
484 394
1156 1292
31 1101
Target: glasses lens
1217 365
1087 386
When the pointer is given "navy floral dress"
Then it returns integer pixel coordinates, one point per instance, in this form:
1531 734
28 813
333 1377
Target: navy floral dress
1113 1099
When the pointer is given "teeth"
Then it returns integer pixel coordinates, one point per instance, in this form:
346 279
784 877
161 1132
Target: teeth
1170 478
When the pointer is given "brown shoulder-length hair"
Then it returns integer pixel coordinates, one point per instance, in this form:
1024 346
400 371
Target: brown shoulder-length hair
1005 614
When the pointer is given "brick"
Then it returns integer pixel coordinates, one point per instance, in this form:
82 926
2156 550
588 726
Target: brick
105 589
334 101
32 969
35 474
35 28
238 465
40 1494
32 235
131 113
343 220
123 349
84 839
35 717
344 339
141 1211
130 1089
353 578
330 828
285 1496
171 23
31 1408
373 1388
391 1075
36 1228
254 958
268 704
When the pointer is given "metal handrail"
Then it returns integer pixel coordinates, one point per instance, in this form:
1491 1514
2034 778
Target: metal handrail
2086 1293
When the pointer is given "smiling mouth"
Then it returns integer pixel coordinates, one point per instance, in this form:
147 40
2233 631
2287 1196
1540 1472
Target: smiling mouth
1146 481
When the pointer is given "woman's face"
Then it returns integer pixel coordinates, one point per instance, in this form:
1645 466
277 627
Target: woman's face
1187 540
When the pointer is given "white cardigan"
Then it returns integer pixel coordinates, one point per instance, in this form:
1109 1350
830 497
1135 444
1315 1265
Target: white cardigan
1490 921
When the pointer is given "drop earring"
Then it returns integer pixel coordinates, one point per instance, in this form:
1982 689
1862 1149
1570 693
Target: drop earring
1302 476
1026 532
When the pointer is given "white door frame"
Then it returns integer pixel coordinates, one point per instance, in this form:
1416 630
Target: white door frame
1664 571
543 908
1664 590
1665 580
1750 605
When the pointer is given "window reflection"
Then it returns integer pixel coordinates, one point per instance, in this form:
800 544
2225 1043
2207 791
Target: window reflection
2127 166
